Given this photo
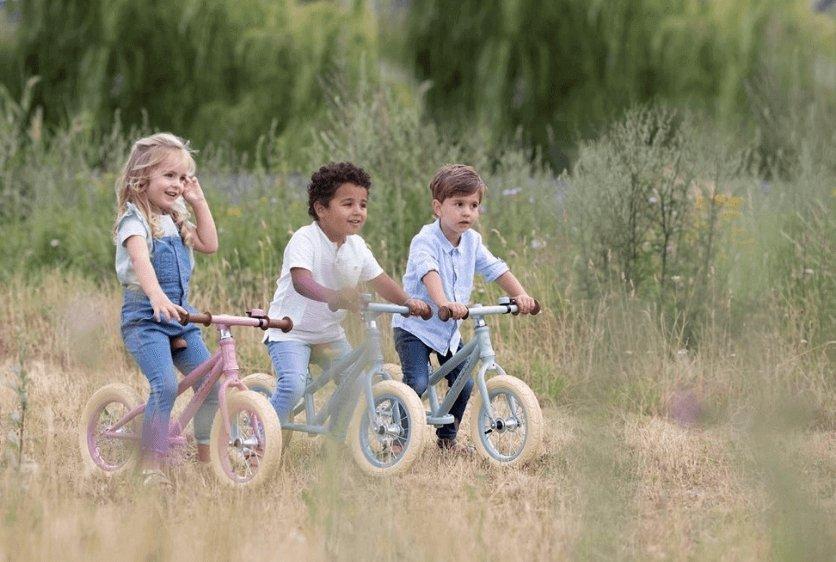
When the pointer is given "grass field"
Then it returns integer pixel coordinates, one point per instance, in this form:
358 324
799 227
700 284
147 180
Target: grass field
687 475
684 358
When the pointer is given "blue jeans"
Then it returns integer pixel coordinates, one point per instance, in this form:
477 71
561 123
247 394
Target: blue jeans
290 363
415 362
149 342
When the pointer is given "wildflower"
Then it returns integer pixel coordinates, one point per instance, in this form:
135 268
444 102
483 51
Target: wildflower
511 192
538 243
652 200
233 212
54 242
808 271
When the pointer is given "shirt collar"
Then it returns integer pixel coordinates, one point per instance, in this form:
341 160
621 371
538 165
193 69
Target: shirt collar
327 241
446 245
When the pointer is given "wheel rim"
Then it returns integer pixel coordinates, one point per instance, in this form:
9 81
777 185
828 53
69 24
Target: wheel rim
264 391
385 442
241 452
506 440
110 450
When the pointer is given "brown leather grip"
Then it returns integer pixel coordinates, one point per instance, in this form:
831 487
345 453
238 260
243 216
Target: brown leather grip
425 316
285 324
535 310
204 318
444 314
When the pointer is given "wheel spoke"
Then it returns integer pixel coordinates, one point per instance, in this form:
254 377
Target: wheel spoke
386 449
504 443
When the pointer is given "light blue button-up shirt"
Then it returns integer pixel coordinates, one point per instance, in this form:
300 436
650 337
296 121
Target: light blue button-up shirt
429 251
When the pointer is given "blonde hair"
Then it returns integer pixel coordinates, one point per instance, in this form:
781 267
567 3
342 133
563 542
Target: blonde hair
146 154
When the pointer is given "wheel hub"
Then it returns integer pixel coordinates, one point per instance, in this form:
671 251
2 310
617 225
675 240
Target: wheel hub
501 425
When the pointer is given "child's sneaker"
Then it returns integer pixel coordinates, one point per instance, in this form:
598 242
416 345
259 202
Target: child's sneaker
395 449
453 446
155 478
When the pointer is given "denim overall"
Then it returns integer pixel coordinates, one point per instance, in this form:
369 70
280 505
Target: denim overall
149 342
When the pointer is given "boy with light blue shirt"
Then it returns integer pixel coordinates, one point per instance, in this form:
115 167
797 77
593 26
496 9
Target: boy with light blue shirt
443 259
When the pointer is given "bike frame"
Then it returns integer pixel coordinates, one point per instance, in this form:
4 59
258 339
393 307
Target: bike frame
361 365
222 364
479 349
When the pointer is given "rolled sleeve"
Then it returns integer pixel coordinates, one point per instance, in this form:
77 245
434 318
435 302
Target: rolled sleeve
129 226
422 258
131 223
489 266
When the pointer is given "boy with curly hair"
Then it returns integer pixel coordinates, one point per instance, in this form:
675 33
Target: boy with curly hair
323 263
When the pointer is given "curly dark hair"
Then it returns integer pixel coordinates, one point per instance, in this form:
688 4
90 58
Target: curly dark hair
326 180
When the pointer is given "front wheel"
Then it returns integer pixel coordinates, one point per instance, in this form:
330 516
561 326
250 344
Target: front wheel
103 448
253 454
265 385
513 436
391 442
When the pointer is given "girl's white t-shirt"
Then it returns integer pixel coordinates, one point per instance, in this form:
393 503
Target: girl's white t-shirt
332 267
133 223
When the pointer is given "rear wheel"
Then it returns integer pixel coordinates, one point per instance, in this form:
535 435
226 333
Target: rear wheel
265 385
252 456
513 436
104 449
391 442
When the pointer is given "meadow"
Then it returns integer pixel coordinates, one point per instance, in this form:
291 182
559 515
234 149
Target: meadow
683 359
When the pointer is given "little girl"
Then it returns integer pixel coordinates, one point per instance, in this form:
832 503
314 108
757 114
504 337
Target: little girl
154 261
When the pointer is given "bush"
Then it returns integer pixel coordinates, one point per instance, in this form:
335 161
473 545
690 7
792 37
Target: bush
209 70
555 69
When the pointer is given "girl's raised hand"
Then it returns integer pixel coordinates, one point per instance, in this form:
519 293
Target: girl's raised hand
165 309
192 191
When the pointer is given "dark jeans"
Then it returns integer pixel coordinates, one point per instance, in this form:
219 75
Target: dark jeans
415 362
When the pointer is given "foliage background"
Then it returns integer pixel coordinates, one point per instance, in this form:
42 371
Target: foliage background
661 175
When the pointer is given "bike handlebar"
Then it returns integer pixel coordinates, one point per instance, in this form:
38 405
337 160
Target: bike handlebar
382 307
444 313
393 309
255 318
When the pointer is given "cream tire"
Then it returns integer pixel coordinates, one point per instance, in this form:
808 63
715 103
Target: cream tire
106 407
375 456
253 456
519 438
393 370
266 384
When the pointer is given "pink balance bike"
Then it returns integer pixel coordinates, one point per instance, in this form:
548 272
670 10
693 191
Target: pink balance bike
246 439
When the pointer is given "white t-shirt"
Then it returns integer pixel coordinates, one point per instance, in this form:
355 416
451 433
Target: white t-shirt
133 223
335 268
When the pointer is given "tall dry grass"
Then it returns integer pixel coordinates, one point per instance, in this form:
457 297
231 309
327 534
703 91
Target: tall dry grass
648 453
685 367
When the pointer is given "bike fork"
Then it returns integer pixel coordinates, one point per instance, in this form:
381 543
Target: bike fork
483 386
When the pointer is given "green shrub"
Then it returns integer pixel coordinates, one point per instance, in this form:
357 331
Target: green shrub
208 70
555 69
